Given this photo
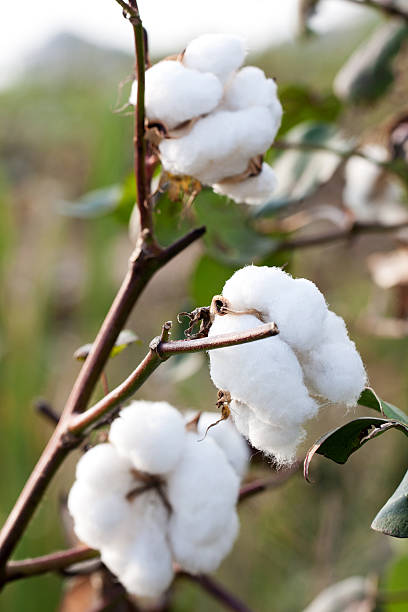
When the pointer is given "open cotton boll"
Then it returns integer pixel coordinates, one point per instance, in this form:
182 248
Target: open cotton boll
150 434
255 190
336 372
265 374
220 54
175 94
202 492
198 558
102 464
227 437
219 145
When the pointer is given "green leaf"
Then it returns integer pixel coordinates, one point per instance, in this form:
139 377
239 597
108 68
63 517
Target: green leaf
370 399
93 204
368 73
342 442
300 172
301 104
125 339
229 236
396 581
208 279
392 519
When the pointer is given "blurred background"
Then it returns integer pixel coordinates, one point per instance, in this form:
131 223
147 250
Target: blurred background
65 131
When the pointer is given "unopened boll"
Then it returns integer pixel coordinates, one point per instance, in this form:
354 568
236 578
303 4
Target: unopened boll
278 383
234 116
157 494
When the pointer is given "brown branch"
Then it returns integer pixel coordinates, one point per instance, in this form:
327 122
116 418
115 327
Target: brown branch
352 230
141 269
48 563
389 8
160 351
218 591
262 484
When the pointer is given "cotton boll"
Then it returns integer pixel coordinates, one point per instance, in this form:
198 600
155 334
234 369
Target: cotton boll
198 558
102 464
220 54
202 491
150 434
255 190
220 145
334 329
241 413
336 372
227 437
175 94
265 374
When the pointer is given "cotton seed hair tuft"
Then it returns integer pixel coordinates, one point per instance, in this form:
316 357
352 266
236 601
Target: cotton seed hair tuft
279 383
157 494
220 118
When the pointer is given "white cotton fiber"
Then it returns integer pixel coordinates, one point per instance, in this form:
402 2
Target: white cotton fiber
102 464
226 435
202 491
295 305
335 371
150 434
175 94
250 87
99 515
148 571
203 558
219 145
265 374
279 441
255 190
220 54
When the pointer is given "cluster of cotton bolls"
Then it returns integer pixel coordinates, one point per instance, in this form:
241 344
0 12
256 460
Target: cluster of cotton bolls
220 118
278 383
155 495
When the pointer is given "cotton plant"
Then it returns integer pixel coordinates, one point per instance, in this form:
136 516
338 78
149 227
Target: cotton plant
159 494
276 385
219 118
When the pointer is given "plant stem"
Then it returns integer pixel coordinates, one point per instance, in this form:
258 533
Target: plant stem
48 563
159 353
354 229
218 591
262 484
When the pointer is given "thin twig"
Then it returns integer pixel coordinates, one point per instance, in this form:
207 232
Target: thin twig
389 8
352 230
159 352
48 563
46 410
218 591
262 484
